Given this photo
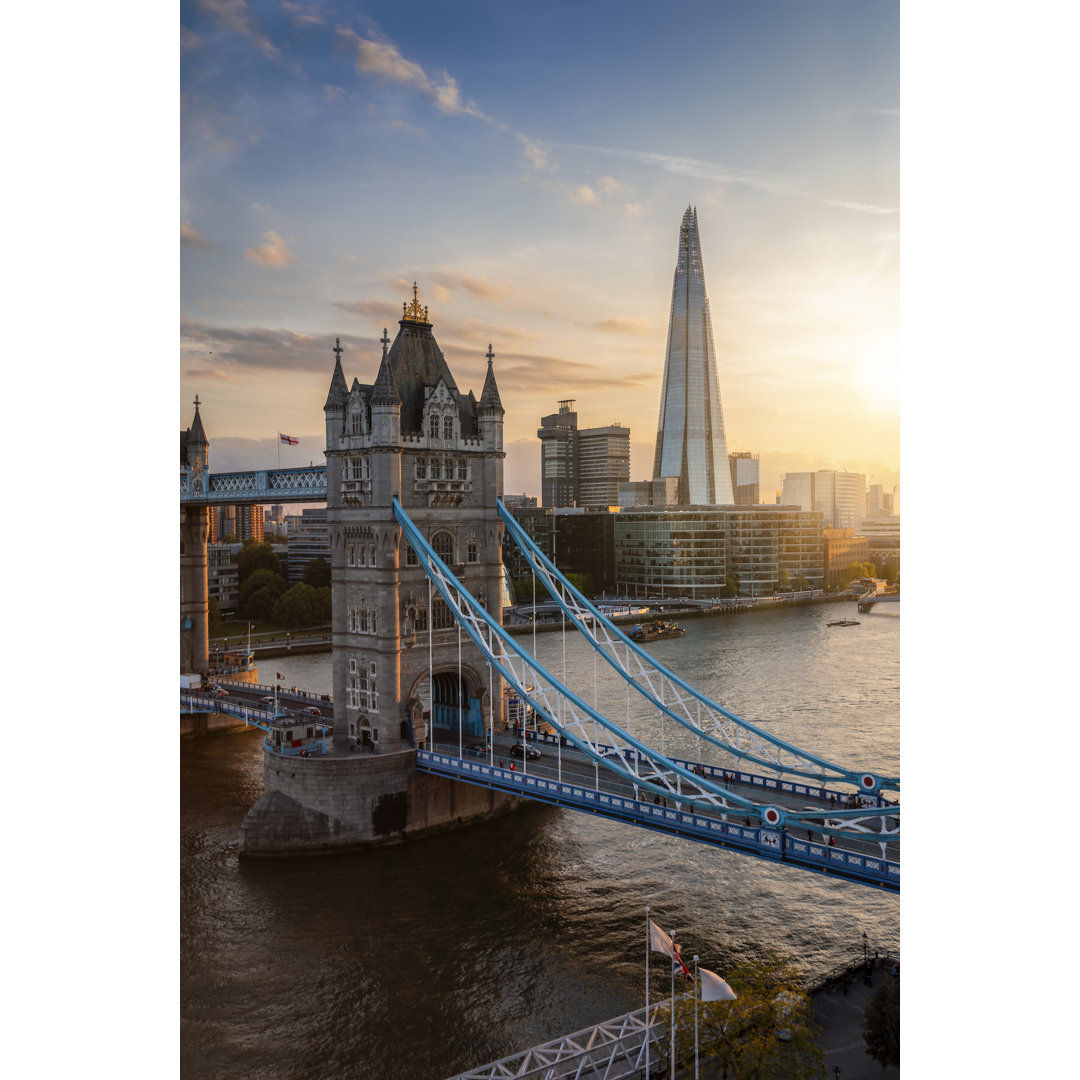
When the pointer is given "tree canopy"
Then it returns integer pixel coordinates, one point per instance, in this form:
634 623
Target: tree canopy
256 582
302 605
255 556
317 573
766 1033
881 1025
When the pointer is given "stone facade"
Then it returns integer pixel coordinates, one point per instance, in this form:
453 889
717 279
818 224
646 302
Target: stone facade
414 436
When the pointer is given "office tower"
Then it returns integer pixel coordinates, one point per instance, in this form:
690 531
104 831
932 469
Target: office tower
690 439
745 478
581 467
557 447
839 496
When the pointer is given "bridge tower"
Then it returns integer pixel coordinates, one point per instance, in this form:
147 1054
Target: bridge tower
413 435
194 529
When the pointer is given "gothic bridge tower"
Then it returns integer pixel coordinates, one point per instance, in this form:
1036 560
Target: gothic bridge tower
194 526
414 435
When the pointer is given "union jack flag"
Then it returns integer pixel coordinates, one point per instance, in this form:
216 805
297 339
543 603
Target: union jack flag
288 440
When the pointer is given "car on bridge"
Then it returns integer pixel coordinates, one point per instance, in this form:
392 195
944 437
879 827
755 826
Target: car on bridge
522 751
217 691
311 711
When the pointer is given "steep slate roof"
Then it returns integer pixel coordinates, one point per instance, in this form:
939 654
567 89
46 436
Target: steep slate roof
417 362
489 398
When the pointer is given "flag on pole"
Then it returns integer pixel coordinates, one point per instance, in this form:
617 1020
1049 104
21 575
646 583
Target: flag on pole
280 676
288 440
713 988
685 969
660 941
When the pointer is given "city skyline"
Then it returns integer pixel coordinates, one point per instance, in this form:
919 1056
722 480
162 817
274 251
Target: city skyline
528 171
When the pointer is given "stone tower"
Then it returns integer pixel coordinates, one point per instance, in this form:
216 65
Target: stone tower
194 525
690 439
412 434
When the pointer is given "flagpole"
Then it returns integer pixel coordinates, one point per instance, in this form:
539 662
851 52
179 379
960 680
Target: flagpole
695 1018
674 953
279 449
648 1026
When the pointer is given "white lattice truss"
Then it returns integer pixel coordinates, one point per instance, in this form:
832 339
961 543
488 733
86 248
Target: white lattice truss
629 758
258 485
613 1050
675 698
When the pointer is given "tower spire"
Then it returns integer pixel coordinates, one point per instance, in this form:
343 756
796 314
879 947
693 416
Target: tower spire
489 398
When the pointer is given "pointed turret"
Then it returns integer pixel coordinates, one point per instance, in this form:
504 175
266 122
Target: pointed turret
490 399
336 400
385 391
194 445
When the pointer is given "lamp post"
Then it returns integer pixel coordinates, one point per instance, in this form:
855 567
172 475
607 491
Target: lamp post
865 942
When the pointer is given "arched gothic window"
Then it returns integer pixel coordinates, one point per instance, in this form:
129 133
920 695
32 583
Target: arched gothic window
448 427
441 616
443 543
421 468
433 428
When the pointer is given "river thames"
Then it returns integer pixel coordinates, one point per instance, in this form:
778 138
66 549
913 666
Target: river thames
420 961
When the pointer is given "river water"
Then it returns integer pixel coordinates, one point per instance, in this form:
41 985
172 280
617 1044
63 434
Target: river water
421 961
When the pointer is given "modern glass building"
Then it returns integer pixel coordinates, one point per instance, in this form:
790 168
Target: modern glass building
745 477
690 439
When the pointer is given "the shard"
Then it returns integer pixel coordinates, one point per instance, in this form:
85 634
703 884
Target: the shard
690 439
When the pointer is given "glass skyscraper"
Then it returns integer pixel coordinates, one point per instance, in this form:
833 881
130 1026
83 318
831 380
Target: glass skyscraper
690 439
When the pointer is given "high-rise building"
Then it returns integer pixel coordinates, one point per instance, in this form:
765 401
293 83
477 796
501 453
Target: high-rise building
557 448
308 538
690 439
745 478
839 496
581 467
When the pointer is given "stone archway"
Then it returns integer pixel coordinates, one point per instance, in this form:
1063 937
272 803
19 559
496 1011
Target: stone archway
459 703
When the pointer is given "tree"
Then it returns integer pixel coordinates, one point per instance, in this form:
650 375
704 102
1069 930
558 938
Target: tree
259 580
801 584
213 614
260 604
859 570
302 605
731 586
255 556
766 1033
317 573
783 580
881 1025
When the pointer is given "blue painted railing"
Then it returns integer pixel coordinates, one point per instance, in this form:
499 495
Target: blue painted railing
770 844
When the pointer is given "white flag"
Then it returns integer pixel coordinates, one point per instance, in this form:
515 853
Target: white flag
659 941
713 988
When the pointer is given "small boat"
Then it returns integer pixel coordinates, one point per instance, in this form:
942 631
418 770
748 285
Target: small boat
653 631
844 622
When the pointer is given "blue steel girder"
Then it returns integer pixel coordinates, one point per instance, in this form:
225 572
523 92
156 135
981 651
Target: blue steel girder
307 485
629 758
674 697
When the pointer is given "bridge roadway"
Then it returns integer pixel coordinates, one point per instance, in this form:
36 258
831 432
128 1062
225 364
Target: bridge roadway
566 777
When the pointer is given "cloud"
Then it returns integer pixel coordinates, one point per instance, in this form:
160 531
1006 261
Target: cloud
536 156
211 374
333 93
864 208
383 60
584 194
521 371
633 325
481 288
189 40
379 310
259 348
234 15
273 253
633 210
188 235
301 15
609 184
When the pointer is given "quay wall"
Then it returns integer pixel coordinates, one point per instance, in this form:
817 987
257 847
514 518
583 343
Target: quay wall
346 802
201 723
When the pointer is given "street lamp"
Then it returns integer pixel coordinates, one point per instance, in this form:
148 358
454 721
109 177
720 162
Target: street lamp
836 1071
865 942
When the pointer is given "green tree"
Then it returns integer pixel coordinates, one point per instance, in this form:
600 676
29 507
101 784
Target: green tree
255 556
302 605
317 573
766 1033
523 590
260 579
213 614
783 580
859 570
731 587
801 584
881 1025
260 604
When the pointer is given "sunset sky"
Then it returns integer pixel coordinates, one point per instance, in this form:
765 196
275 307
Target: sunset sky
528 166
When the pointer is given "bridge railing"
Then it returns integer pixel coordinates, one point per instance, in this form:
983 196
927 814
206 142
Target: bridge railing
767 843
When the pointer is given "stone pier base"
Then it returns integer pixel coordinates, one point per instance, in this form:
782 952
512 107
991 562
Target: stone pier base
346 802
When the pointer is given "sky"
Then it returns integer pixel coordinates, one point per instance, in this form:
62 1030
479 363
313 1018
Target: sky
528 167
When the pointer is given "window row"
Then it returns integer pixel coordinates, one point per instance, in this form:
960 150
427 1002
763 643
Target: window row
360 555
445 424
362 620
442 469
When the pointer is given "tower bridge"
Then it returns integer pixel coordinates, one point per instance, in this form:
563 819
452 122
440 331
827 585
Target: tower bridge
412 485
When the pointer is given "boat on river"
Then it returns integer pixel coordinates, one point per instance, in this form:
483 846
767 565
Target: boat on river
655 630
844 622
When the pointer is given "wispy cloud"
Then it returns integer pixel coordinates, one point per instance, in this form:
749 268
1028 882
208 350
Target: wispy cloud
382 60
274 252
631 325
303 15
235 16
721 173
188 235
227 350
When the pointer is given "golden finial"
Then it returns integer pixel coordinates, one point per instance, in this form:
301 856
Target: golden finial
414 312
